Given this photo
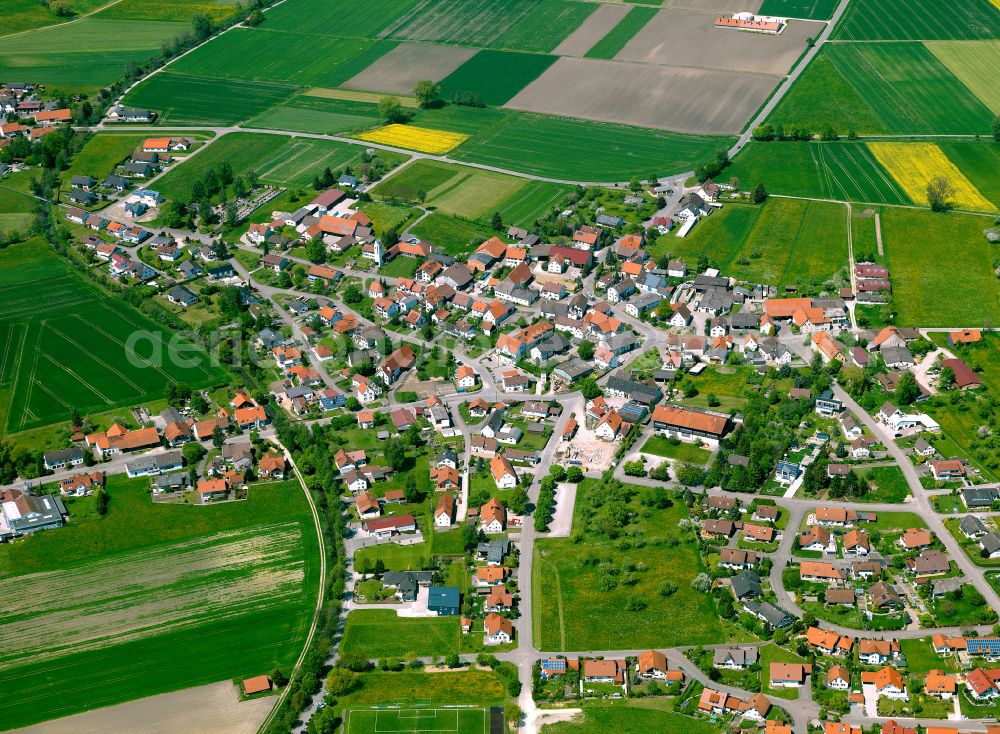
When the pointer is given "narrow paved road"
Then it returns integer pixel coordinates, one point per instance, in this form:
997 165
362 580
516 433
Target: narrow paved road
786 85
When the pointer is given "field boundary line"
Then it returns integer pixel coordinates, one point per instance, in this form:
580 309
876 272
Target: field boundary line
320 593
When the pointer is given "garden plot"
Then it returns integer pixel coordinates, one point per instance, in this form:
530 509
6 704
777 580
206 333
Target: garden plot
666 98
681 37
592 30
399 70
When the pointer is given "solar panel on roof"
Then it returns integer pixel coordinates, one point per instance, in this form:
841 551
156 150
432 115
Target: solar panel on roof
983 645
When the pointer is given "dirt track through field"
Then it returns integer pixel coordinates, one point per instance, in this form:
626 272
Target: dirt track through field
399 70
667 98
592 30
681 37
211 709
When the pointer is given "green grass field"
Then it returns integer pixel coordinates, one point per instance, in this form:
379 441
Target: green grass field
520 25
909 89
973 63
471 193
175 10
622 33
562 147
784 242
496 76
273 56
377 633
637 715
15 210
26 15
660 446
575 613
84 56
867 20
327 18
275 158
841 170
430 719
68 345
875 88
812 9
455 236
543 145
149 599
183 99
928 253
890 484
101 153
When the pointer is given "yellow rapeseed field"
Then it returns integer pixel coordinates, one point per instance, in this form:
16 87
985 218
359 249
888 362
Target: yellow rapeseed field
913 165
423 139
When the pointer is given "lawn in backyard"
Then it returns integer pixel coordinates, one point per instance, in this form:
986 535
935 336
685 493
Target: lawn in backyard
867 20
570 576
921 658
69 345
928 253
185 99
837 170
680 451
162 597
773 654
495 76
783 242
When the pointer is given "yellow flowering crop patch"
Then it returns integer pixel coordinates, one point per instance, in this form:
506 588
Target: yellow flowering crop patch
913 165
423 139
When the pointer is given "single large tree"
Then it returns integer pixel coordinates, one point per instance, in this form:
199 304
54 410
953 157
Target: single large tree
940 192
427 93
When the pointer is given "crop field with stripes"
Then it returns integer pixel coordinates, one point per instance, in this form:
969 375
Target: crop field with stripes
152 598
65 345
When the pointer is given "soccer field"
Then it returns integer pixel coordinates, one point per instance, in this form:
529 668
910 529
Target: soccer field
456 720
